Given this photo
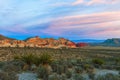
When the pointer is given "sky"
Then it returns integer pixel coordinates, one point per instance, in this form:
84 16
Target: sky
71 19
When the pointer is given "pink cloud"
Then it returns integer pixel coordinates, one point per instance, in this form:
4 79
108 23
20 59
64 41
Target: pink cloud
78 2
86 25
94 2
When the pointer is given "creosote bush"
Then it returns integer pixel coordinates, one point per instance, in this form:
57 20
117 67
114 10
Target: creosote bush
43 73
98 61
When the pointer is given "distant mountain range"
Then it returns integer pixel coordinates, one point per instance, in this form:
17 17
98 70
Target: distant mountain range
56 43
88 41
115 42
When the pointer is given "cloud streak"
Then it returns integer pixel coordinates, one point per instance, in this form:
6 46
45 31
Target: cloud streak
86 25
60 18
94 2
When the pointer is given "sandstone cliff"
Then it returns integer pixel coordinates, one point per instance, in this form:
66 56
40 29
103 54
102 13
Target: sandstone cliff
37 42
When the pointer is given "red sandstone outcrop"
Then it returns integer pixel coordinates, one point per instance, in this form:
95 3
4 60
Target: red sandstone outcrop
38 42
82 44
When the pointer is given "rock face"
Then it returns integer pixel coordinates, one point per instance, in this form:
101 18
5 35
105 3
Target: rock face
38 42
82 44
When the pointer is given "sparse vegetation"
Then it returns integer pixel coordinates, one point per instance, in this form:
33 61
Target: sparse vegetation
59 64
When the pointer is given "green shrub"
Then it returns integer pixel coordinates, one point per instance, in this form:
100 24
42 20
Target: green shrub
11 68
45 59
34 59
16 57
8 76
54 67
68 74
98 61
117 60
43 73
86 66
54 77
60 69
78 69
78 77
2 64
63 77
28 58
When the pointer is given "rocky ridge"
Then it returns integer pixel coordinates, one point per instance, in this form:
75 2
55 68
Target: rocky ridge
37 42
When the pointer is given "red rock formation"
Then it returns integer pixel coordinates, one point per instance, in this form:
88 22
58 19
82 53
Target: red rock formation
71 44
38 42
81 44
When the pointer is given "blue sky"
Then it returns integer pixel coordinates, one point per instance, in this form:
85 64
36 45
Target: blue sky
71 19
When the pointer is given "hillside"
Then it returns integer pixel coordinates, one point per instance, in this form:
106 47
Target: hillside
3 38
112 42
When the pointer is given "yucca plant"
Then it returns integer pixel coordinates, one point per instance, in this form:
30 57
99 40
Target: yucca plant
45 59
28 58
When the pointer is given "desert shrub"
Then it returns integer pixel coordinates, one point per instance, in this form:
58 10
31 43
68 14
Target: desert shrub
42 73
118 68
69 64
60 69
16 57
8 76
79 60
34 59
78 69
86 66
2 64
28 58
54 67
54 77
68 74
98 61
63 77
117 60
78 77
11 68
17 63
45 59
